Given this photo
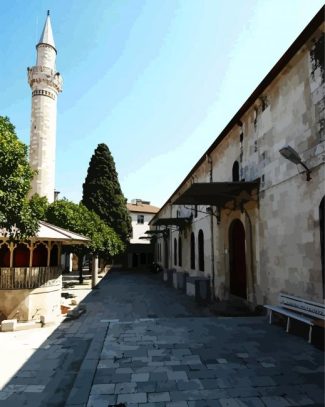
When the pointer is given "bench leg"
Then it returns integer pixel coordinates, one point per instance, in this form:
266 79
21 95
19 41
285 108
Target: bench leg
288 325
310 333
270 316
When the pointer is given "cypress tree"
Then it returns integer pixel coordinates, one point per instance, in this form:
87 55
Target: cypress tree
102 192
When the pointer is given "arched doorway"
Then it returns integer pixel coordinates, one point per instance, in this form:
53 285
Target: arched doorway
237 259
322 241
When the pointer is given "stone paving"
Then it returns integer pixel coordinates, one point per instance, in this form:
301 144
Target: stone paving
142 344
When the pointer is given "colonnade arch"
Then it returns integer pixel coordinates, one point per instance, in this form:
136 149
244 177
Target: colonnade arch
27 254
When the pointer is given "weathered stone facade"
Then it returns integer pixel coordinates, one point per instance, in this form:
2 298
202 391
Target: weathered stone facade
281 228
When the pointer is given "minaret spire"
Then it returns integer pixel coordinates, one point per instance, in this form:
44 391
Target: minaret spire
45 83
47 34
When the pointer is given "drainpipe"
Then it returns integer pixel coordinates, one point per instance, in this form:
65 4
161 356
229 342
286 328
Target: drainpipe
212 235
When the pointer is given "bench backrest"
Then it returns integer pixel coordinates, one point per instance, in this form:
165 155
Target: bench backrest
314 309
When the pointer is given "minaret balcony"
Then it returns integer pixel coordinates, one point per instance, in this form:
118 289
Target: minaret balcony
42 75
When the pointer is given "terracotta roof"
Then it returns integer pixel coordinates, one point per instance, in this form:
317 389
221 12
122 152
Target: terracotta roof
143 208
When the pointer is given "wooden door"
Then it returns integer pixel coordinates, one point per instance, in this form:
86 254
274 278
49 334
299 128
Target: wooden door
237 259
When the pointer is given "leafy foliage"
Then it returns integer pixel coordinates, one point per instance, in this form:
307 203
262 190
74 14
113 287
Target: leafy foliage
77 218
102 192
38 206
15 178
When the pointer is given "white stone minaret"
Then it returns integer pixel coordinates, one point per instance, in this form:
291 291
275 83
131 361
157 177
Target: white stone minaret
45 83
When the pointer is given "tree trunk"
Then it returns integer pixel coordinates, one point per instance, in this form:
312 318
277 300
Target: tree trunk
81 279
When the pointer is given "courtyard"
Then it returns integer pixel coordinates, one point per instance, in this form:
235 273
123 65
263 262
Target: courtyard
141 343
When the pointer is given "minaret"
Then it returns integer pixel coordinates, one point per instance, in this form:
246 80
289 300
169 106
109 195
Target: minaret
45 83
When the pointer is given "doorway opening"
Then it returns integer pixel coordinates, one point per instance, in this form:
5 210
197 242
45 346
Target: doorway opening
237 259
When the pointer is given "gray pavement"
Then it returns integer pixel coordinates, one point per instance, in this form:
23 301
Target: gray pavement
141 343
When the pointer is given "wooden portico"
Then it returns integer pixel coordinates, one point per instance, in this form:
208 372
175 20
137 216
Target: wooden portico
31 273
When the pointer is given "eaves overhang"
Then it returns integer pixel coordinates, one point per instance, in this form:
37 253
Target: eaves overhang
218 193
180 222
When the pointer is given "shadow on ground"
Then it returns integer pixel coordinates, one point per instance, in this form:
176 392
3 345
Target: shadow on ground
141 342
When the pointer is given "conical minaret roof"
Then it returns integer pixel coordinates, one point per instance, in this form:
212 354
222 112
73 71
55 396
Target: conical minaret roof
47 34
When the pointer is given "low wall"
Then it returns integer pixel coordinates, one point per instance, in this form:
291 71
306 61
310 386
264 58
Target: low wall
25 304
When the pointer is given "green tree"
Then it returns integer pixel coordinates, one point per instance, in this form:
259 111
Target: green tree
38 206
102 192
15 178
77 218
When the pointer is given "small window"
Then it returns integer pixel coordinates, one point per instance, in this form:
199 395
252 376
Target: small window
235 171
140 219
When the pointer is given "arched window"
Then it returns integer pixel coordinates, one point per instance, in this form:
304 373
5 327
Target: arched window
40 255
21 256
180 255
235 171
175 251
201 250
192 251
54 256
4 256
166 254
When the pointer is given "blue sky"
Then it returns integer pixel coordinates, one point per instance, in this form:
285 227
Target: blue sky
156 80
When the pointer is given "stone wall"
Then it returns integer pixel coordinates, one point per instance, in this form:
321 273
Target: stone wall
281 222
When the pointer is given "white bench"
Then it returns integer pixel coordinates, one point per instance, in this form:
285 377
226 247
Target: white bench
310 312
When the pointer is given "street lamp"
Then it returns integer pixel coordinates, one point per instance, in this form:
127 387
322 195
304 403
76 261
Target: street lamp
290 154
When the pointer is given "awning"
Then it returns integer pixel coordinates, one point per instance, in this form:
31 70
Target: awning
217 193
171 221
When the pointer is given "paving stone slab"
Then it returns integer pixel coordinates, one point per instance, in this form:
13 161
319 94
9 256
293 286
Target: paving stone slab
103 389
275 401
121 388
99 400
132 398
158 397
